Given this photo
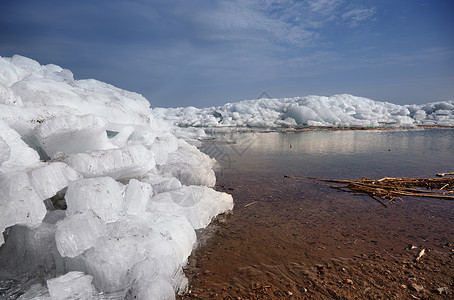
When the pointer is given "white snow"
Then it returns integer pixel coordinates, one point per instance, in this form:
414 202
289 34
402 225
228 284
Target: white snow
338 110
96 150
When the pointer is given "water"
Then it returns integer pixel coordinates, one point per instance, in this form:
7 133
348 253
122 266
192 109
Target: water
279 223
348 154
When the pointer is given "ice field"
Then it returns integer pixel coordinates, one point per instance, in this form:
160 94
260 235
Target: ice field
338 110
100 195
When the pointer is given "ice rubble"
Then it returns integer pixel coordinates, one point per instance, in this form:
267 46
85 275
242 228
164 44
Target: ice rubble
338 110
134 190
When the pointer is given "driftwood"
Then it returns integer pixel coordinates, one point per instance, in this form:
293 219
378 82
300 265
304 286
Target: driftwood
390 189
444 174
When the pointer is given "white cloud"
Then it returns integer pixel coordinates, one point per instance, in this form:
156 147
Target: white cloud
324 6
357 15
257 24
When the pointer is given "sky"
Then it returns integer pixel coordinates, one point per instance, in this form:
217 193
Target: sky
206 53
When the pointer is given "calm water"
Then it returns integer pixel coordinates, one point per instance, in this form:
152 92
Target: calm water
279 222
338 154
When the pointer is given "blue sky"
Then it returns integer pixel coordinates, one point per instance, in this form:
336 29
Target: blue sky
207 53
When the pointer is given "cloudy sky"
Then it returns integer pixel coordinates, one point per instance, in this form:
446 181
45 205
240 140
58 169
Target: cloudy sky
207 53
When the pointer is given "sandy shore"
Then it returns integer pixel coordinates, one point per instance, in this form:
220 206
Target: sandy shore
289 239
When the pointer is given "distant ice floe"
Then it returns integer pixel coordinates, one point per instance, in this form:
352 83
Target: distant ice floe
99 199
338 110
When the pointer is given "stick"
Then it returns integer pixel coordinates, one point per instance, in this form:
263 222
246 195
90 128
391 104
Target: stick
420 254
250 204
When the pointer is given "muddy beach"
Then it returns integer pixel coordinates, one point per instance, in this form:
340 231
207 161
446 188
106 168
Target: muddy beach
301 239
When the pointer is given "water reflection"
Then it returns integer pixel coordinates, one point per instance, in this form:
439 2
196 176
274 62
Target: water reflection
339 154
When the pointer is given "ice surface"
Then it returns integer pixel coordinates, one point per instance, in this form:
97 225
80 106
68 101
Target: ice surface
72 134
5 152
189 166
8 96
136 196
199 204
162 146
20 154
50 178
338 110
19 203
36 292
116 260
32 250
127 162
79 232
72 285
162 184
8 73
102 195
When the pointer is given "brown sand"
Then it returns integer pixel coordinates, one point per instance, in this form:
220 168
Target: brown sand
303 240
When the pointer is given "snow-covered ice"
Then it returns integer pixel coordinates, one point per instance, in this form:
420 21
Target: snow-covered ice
82 167
339 110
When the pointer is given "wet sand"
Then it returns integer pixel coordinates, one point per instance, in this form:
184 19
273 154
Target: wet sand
300 239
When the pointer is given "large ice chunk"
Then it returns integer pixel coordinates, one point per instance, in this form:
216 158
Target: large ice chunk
36 292
189 166
4 151
79 232
51 178
103 195
8 73
72 134
19 203
199 204
136 196
21 156
158 288
127 162
116 261
8 96
162 146
301 114
122 136
25 66
190 174
34 247
72 285
162 184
